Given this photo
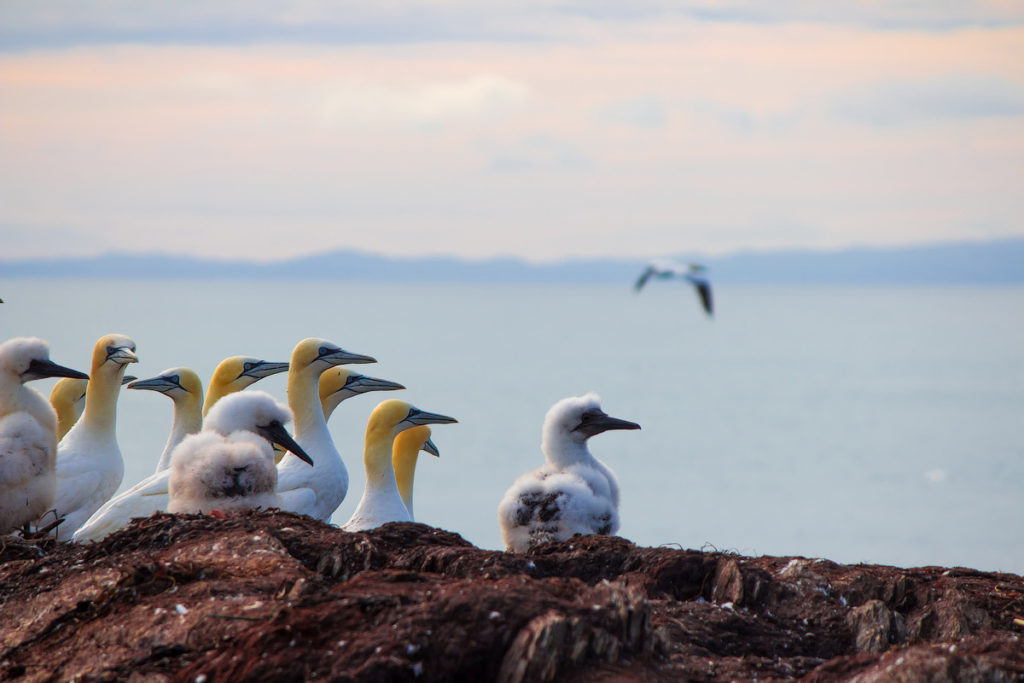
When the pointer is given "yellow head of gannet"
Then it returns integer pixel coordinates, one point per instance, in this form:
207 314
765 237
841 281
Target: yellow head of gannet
236 373
68 398
381 502
89 464
340 383
404 455
28 432
183 387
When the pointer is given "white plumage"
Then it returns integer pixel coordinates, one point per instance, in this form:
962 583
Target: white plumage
28 432
574 492
89 463
319 490
185 389
694 274
381 502
229 465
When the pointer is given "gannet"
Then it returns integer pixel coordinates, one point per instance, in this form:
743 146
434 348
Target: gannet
183 386
236 373
89 464
229 465
152 493
28 432
319 490
404 456
664 270
381 501
68 398
574 492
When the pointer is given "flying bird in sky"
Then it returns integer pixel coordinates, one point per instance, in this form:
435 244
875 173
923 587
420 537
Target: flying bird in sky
693 273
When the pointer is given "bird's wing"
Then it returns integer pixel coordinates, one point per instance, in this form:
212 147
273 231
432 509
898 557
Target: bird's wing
142 500
704 290
300 500
644 277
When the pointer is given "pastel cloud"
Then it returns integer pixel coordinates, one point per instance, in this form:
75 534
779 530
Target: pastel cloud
655 133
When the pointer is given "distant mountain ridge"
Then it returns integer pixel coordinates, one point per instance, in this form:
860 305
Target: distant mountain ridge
990 262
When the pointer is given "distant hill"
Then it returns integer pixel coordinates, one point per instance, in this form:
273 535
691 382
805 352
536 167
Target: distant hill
991 262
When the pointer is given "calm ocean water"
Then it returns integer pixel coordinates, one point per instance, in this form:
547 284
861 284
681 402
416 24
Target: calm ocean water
875 424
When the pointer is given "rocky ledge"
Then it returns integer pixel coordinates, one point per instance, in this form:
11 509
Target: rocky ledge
281 597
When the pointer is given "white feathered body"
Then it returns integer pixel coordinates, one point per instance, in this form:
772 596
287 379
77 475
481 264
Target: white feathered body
554 503
28 449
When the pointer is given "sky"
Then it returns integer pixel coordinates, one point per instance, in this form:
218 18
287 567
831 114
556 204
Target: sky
264 129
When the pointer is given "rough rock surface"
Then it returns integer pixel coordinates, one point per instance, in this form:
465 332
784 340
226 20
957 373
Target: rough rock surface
281 597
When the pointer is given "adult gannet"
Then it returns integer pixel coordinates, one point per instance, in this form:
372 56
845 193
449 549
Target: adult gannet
28 431
89 464
152 493
229 465
319 490
693 274
381 501
68 398
183 386
405 454
236 373
574 492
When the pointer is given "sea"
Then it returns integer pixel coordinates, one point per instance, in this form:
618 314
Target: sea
859 424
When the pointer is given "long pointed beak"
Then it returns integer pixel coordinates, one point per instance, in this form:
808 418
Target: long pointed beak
265 369
122 355
362 384
604 423
422 417
276 433
160 384
429 447
343 357
38 369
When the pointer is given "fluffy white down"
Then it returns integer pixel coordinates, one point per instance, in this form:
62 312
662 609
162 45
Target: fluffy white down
28 437
210 471
573 493
241 411
27 480
552 504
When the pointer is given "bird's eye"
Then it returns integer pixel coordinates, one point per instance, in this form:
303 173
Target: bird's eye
323 351
351 379
248 366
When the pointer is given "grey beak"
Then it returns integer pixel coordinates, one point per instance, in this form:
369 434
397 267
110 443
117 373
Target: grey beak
422 417
429 447
362 384
265 369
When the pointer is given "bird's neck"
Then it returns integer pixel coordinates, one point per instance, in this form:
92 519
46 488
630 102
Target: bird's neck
101 397
404 462
219 389
304 401
563 451
187 420
380 473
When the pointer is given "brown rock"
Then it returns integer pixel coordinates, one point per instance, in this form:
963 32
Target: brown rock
277 596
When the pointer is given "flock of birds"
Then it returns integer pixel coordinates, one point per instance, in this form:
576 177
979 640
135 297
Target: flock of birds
60 463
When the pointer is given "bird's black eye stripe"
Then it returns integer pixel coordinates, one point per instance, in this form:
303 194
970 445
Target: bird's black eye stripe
111 350
324 350
249 366
590 416
413 412
175 379
352 379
